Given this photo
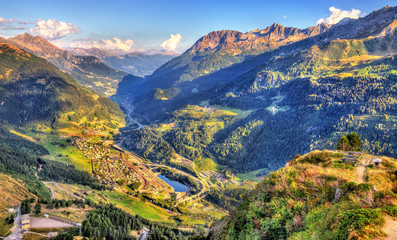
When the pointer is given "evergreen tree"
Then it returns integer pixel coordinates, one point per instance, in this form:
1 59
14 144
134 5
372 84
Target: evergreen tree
37 208
343 144
25 206
350 142
355 141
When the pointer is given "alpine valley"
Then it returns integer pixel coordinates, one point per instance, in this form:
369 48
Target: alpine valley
276 133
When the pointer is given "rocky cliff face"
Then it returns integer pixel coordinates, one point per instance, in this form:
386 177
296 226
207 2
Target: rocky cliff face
236 42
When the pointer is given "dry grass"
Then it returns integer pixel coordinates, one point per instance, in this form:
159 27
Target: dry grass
33 236
22 135
11 194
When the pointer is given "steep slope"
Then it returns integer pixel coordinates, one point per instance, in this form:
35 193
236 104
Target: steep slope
33 91
306 94
316 197
215 54
137 64
373 27
13 193
88 71
221 49
319 93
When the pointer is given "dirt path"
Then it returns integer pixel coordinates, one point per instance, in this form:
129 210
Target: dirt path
390 228
361 169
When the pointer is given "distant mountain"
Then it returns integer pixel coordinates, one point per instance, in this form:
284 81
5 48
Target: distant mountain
215 54
136 63
88 71
221 49
235 42
301 96
33 91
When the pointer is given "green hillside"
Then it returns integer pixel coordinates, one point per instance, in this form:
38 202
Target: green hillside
301 96
187 132
89 71
317 197
33 91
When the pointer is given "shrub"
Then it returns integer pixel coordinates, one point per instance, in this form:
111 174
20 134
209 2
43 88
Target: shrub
390 210
364 187
337 155
316 158
349 186
355 220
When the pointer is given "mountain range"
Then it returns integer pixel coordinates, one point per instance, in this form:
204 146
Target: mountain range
235 108
33 91
89 71
136 63
222 49
301 94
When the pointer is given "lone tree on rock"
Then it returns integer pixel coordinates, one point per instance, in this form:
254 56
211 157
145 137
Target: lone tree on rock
350 142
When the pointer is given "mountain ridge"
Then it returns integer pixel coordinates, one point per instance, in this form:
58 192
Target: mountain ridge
35 91
136 63
272 36
88 71
318 86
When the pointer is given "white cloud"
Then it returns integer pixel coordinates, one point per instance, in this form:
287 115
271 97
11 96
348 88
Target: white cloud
13 28
338 14
285 16
25 22
52 29
172 43
114 44
6 21
9 24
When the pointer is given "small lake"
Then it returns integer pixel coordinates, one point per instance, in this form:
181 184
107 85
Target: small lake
177 186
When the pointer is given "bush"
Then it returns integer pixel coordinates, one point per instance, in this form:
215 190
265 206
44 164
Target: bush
390 210
349 186
356 220
316 158
337 155
364 187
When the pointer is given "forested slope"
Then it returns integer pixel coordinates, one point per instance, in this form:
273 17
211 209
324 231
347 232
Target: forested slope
33 91
301 96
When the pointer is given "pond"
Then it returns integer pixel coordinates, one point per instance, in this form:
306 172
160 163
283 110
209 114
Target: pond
177 186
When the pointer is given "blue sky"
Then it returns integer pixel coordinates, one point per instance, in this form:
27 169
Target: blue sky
148 23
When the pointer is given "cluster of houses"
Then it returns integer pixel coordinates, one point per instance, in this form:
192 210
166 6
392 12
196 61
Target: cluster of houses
111 167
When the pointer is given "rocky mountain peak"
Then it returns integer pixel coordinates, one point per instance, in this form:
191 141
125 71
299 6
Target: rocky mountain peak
270 37
33 43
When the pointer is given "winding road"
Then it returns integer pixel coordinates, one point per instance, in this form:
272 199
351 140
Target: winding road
134 120
145 233
17 234
63 190
203 184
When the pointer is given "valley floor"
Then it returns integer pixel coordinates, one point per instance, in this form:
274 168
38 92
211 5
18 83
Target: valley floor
134 184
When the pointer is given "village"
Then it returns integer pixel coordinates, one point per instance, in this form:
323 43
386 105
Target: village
112 165
132 175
